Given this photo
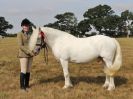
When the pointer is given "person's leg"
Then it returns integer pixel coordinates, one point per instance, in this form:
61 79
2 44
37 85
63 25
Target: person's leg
28 72
23 64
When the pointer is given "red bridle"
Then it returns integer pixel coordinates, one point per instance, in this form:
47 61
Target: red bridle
44 46
42 35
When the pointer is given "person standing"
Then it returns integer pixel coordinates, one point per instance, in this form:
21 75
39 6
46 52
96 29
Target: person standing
25 55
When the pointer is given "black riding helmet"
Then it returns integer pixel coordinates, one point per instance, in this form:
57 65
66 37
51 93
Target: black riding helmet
25 22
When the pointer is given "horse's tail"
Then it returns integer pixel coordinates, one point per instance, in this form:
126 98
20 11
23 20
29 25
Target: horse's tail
117 62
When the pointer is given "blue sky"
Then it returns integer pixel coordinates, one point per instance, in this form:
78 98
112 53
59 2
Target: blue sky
41 12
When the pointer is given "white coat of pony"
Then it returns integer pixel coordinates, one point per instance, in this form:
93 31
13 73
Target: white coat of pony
67 47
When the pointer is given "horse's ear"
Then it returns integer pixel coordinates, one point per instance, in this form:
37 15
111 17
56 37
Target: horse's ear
33 28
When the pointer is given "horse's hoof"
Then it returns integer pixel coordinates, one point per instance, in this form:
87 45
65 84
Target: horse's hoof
64 87
70 86
67 86
105 85
110 88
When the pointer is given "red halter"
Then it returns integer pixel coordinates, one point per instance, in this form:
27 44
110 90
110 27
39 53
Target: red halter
42 35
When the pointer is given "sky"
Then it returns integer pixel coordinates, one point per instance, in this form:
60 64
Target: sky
42 12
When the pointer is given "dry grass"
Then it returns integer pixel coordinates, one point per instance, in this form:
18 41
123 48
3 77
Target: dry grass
47 80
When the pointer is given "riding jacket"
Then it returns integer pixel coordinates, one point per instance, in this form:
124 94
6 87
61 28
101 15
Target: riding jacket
23 40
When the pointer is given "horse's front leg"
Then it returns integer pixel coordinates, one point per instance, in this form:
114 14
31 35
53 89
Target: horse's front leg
107 81
64 64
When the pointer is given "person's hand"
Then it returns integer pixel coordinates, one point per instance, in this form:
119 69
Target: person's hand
32 53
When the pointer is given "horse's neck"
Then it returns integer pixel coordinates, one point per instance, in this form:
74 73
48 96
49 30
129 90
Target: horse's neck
52 35
50 40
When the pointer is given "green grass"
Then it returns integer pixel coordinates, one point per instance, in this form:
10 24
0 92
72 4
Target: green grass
47 80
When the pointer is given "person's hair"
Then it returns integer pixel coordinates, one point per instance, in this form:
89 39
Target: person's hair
25 22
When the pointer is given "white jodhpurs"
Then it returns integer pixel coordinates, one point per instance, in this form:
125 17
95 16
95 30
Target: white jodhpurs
25 64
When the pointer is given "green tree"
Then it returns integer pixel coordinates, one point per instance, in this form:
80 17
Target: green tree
65 22
127 19
83 27
111 22
4 25
97 15
127 15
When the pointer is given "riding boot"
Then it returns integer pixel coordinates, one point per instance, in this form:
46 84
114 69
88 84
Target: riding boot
27 80
22 81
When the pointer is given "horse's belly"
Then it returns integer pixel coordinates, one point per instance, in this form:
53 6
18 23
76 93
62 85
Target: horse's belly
83 57
81 60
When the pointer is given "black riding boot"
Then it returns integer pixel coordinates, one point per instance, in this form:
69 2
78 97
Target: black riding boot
27 80
22 81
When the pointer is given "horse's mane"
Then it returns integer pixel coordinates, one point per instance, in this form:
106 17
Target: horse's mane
57 31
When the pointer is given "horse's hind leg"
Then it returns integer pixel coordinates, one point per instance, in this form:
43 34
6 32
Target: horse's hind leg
111 85
109 82
64 64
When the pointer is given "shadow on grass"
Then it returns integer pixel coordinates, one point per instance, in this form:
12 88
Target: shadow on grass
88 79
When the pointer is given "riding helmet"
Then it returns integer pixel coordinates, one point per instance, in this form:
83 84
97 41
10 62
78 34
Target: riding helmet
25 22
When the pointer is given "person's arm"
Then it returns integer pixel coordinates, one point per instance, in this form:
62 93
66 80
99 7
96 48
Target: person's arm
22 47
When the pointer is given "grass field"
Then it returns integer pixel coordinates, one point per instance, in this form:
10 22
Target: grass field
47 80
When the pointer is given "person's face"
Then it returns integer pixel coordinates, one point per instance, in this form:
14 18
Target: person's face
25 28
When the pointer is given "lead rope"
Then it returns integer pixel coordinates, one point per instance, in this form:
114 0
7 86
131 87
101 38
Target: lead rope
46 53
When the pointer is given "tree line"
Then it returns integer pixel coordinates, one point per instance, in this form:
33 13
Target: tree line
102 18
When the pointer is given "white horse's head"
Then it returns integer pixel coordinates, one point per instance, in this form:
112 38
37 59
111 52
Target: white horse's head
36 38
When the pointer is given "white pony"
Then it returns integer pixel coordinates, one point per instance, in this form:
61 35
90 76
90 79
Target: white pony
67 47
